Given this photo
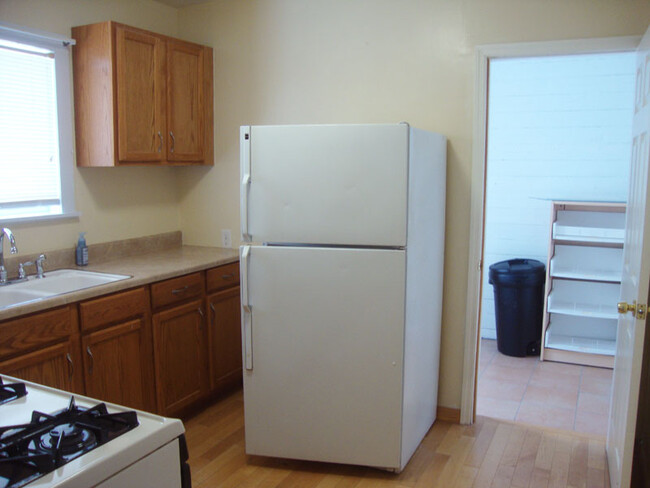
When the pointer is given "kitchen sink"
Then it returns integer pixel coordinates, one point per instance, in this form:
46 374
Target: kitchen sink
10 297
54 283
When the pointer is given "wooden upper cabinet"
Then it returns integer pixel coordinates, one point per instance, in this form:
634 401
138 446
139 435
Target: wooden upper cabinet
141 124
141 98
185 101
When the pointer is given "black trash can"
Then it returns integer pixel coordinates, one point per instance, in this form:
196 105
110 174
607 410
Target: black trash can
518 305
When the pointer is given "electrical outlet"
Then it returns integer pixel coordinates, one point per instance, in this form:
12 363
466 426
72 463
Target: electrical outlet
226 238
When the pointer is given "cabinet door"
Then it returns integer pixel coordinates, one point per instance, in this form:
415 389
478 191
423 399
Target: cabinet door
52 366
185 109
180 352
224 338
117 365
141 129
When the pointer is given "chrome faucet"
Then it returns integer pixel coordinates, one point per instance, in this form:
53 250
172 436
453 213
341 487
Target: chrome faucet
39 268
12 240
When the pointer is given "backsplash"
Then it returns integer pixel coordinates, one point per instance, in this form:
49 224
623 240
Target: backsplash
97 253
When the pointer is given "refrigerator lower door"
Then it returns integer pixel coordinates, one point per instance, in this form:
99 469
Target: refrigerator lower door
326 340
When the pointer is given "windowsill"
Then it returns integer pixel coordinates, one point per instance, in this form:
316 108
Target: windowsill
39 218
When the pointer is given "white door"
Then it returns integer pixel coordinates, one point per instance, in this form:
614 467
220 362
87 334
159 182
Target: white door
325 184
324 347
634 286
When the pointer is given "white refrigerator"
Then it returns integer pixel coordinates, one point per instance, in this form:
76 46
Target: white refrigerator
341 289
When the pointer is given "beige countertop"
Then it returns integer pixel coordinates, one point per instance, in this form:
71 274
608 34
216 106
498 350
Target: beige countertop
144 268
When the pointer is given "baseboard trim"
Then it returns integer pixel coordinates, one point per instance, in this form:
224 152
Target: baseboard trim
448 414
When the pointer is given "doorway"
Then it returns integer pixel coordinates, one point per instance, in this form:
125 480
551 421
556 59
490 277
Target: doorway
558 130
527 164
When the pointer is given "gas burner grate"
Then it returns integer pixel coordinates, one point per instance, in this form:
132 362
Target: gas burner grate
11 391
29 451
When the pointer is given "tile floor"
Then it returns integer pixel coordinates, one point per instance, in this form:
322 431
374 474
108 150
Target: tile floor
557 395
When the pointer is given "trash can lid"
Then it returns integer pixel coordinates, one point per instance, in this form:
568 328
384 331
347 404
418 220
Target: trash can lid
517 271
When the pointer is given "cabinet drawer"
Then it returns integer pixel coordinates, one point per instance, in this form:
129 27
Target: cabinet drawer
223 277
113 308
29 333
176 290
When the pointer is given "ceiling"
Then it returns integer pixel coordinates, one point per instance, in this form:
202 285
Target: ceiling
181 3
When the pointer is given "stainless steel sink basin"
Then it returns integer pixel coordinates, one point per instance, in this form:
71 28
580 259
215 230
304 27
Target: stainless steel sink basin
54 283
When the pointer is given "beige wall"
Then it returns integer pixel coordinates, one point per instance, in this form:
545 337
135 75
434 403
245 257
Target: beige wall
329 61
115 203
315 61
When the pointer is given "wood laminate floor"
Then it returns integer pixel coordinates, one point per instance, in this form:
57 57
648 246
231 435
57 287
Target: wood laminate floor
490 453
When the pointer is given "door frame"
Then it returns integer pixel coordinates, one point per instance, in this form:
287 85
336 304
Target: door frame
483 54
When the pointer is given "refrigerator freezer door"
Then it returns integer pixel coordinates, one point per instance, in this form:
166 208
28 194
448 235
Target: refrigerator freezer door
326 184
327 354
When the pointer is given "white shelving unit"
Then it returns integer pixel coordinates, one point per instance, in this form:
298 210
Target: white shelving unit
583 283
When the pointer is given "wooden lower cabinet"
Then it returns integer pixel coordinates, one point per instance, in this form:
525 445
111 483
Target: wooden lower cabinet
116 346
180 357
43 348
114 349
51 366
224 338
116 363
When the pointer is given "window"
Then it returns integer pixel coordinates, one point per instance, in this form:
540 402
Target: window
36 149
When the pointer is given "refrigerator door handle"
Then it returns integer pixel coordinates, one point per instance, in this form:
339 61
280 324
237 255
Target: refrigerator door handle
247 314
245 155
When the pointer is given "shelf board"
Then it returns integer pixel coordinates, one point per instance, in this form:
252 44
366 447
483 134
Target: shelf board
587 263
570 237
581 344
573 357
586 275
589 226
583 310
598 311
585 327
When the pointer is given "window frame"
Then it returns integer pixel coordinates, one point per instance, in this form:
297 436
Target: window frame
60 46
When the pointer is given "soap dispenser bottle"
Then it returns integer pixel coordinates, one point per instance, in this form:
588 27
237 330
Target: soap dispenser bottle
82 250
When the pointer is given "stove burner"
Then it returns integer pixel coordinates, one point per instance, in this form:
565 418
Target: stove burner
49 441
69 439
11 391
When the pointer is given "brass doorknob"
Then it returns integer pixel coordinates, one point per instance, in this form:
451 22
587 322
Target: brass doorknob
638 310
624 307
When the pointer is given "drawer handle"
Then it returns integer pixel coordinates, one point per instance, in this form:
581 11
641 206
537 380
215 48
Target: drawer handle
178 291
70 365
228 277
92 359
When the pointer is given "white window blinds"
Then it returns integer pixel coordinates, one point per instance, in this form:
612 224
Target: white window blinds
31 133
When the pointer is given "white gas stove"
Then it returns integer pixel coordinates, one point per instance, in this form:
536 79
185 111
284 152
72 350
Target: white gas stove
51 438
